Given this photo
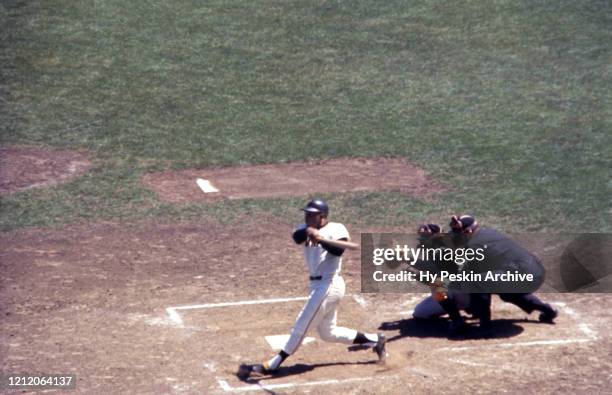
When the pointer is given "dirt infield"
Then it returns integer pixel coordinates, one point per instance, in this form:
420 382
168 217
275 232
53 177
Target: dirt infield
134 309
293 179
22 168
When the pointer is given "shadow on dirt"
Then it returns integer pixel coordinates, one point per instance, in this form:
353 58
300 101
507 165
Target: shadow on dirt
299 368
502 328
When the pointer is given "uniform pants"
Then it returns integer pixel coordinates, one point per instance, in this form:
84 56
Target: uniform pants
429 308
320 312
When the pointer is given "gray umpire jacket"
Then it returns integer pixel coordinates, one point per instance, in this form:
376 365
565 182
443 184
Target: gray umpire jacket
503 255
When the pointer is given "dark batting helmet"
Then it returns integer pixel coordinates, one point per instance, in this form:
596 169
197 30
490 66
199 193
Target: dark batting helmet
317 206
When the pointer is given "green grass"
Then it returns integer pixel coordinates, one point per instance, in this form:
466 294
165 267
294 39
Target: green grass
508 102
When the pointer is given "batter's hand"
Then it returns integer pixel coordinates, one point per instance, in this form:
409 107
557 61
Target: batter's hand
313 233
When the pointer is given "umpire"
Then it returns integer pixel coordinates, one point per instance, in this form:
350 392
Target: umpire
502 255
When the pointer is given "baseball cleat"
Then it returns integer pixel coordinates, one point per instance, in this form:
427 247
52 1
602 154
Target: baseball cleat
380 348
246 371
260 370
548 317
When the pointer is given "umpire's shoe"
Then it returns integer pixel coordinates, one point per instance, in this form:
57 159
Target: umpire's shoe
381 348
548 316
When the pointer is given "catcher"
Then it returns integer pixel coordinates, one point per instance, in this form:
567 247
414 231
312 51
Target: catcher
442 300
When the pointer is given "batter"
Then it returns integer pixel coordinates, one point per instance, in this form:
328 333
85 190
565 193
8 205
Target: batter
324 243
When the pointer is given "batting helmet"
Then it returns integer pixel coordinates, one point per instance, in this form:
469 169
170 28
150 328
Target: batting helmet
317 206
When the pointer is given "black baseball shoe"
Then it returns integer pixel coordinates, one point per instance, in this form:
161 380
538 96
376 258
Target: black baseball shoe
380 348
258 370
548 317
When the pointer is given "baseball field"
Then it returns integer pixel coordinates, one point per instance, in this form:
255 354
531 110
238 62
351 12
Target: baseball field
154 157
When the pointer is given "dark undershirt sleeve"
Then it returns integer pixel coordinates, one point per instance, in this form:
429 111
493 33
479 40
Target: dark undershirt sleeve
334 250
299 236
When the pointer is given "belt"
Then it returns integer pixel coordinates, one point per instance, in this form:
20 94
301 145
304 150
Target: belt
315 278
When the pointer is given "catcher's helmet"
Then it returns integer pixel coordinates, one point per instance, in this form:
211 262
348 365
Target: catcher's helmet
317 206
428 229
463 224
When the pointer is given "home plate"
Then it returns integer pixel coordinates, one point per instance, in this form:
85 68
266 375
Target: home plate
206 186
277 342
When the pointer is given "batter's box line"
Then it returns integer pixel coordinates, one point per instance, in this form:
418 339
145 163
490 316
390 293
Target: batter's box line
173 312
223 383
583 326
176 317
591 335
225 386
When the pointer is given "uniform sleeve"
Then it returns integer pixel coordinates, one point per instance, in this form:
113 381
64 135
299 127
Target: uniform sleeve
299 235
333 250
340 232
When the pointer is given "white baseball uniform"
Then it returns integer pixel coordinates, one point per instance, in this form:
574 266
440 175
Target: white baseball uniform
326 290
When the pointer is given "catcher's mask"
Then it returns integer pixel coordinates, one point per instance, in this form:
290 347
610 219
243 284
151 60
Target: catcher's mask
317 206
463 224
426 231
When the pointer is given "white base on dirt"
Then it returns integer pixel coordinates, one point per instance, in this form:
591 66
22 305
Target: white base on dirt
206 186
277 342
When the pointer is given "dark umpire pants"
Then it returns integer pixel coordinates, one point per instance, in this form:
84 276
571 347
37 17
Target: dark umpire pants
480 304
527 302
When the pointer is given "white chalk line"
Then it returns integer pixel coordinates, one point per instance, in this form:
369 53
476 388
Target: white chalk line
259 387
225 386
176 317
239 303
476 364
590 334
494 366
360 300
519 344
586 329
583 326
